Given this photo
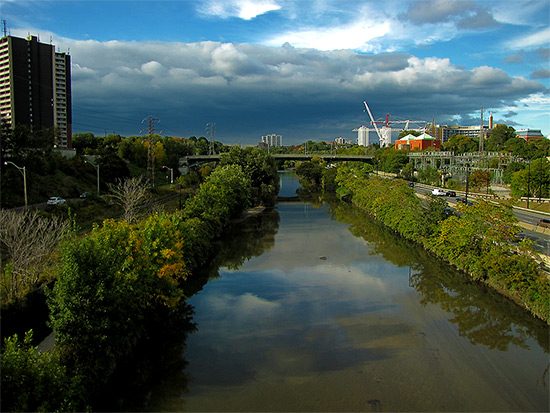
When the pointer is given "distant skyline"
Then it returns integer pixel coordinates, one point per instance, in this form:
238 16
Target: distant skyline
296 68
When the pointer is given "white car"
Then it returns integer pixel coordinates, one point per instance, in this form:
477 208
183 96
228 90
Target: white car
55 200
438 192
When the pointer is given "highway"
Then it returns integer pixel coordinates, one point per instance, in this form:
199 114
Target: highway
527 220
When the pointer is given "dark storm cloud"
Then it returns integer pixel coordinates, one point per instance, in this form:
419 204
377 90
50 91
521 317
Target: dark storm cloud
250 90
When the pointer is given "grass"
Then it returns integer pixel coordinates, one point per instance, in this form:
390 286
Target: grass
534 205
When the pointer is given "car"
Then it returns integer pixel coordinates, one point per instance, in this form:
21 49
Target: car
55 200
84 195
451 193
545 223
411 184
464 201
438 192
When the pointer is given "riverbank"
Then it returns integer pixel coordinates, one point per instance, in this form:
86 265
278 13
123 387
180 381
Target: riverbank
479 242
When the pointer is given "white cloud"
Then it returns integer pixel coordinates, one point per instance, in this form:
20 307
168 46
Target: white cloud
537 39
243 9
252 88
519 12
354 36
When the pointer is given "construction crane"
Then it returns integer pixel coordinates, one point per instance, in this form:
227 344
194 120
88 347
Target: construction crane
384 133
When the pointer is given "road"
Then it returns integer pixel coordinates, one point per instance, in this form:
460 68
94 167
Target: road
527 220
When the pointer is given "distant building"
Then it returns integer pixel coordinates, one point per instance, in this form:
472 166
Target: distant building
35 86
340 141
272 140
424 141
366 136
445 132
529 134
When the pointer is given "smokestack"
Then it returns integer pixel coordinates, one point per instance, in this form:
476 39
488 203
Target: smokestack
491 121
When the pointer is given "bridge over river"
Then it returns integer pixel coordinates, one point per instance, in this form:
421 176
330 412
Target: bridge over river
194 159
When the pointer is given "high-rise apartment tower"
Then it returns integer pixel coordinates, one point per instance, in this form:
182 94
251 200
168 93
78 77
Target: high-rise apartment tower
272 140
35 87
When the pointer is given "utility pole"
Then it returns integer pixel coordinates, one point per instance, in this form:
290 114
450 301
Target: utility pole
481 142
210 126
151 150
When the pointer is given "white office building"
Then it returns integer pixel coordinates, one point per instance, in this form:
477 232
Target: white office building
272 140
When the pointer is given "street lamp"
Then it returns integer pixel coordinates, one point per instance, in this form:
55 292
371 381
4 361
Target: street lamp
24 173
171 174
97 170
467 182
528 183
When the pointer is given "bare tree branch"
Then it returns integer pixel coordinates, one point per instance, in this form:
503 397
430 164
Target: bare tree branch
29 241
133 194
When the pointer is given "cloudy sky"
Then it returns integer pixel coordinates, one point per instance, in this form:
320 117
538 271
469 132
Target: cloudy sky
298 68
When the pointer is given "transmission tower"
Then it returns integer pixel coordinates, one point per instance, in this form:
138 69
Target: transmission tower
150 149
210 126
481 137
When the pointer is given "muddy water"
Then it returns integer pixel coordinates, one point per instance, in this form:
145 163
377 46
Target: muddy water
314 307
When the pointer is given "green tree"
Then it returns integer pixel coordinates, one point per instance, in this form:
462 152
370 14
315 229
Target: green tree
391 159
533 180
34 381
202 146
408 171
404 133
461 144
500 134
83 141
430 176
479 178
510 169
260 168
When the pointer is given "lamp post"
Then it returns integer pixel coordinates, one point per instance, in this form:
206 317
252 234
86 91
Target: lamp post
97 170
528 183
467 181
24 173
171 174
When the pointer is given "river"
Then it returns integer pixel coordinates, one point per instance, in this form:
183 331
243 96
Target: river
312 306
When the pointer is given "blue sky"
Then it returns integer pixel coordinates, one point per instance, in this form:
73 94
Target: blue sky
297 68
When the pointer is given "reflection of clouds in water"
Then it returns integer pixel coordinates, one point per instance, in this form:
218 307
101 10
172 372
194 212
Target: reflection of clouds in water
242 308
282 312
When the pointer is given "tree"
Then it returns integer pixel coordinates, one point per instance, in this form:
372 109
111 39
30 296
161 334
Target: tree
36 381
461 144
498 137
23 145
484 230
133 194
202 146
83 141
404 133
532 181
408 171
479 178
430 176
29 241
260 168
311 174
391 159
113 168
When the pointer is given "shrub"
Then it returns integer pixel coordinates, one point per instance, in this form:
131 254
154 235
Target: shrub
36 381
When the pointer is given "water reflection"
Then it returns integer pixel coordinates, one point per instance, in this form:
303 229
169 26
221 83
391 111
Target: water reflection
299 315
482 315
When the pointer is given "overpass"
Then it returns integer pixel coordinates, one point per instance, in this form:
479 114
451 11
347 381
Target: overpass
194 159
